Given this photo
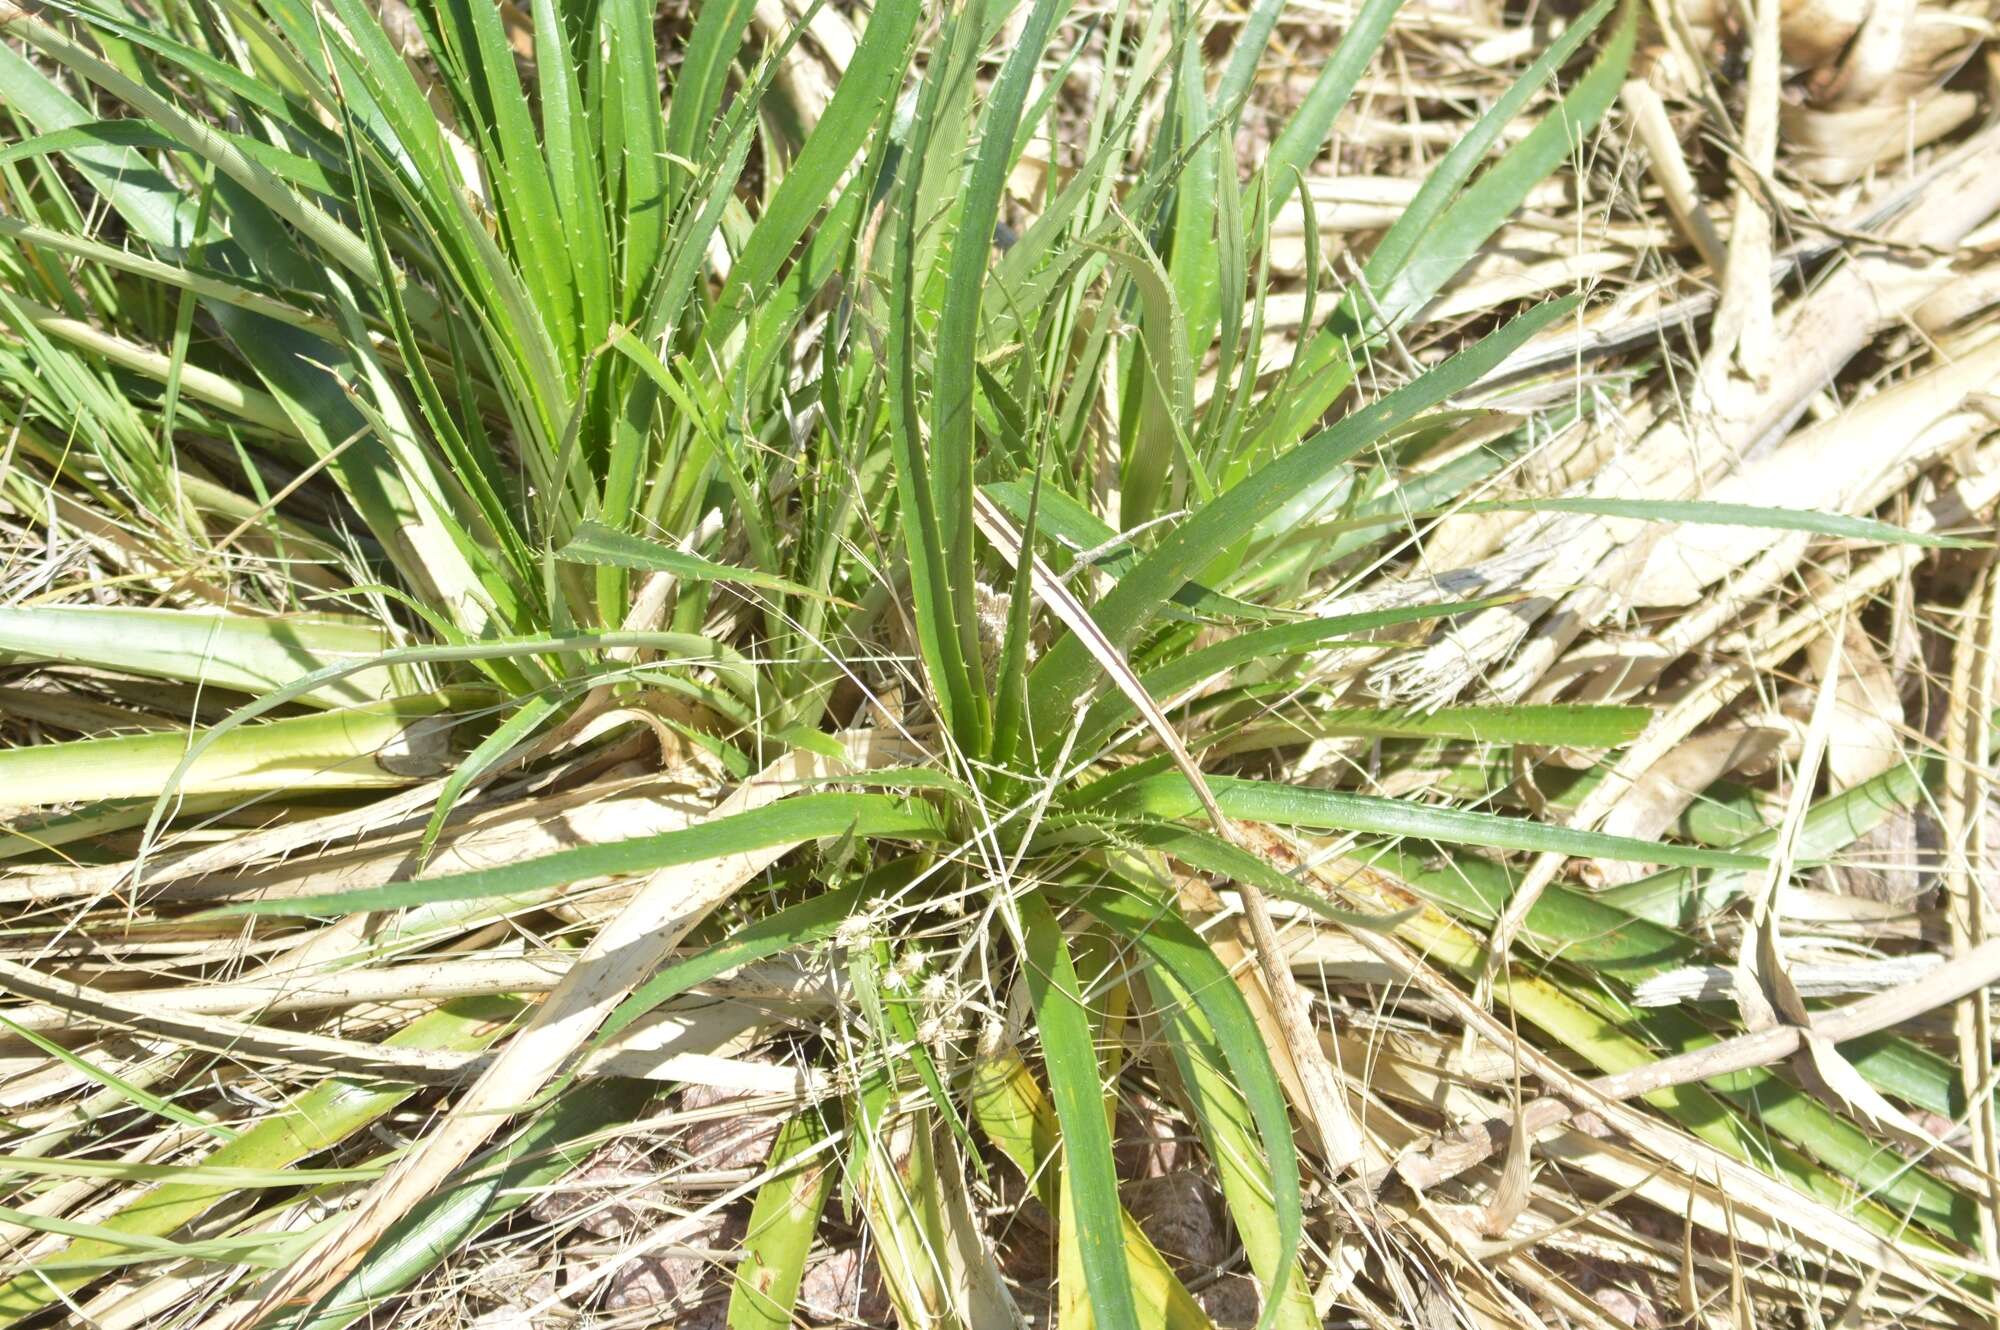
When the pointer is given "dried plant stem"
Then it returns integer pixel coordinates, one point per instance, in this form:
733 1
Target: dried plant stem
1964 809
1670 170
426 981
1683 453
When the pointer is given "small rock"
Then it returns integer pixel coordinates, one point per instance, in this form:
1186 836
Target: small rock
1883 864
1626 1307
515 1282
841 1286
503 1318
682 1287
652 1281
1622 1291
607 1197
1231 1301
721 1143
1177 1211
1148 1144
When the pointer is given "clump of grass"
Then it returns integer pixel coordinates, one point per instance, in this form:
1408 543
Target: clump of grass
855 525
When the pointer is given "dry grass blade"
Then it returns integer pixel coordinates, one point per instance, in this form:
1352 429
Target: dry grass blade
1817 1224
233 1038
286 993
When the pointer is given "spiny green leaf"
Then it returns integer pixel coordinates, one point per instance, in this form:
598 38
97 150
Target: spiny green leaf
1552 725
595 543
1703 513
1197 978
1125 611
1078 1091
1167 796
782 1221
806 817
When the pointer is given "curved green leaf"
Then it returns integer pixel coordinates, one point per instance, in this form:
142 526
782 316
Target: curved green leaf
595 543
780 1232
236 651
382 744
1840 526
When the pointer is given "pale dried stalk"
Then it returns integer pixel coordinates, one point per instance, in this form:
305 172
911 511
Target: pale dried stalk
1712 983
1707 618
149 1300
1670 170
593 815
1763 990
402 810
1963 805
1464 299
1235 946
1618 327
1697 704
1669 787
807 76
1661 737
1851 463
433 981
1869 723
99 880
233 1038
1741 341
1639 318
